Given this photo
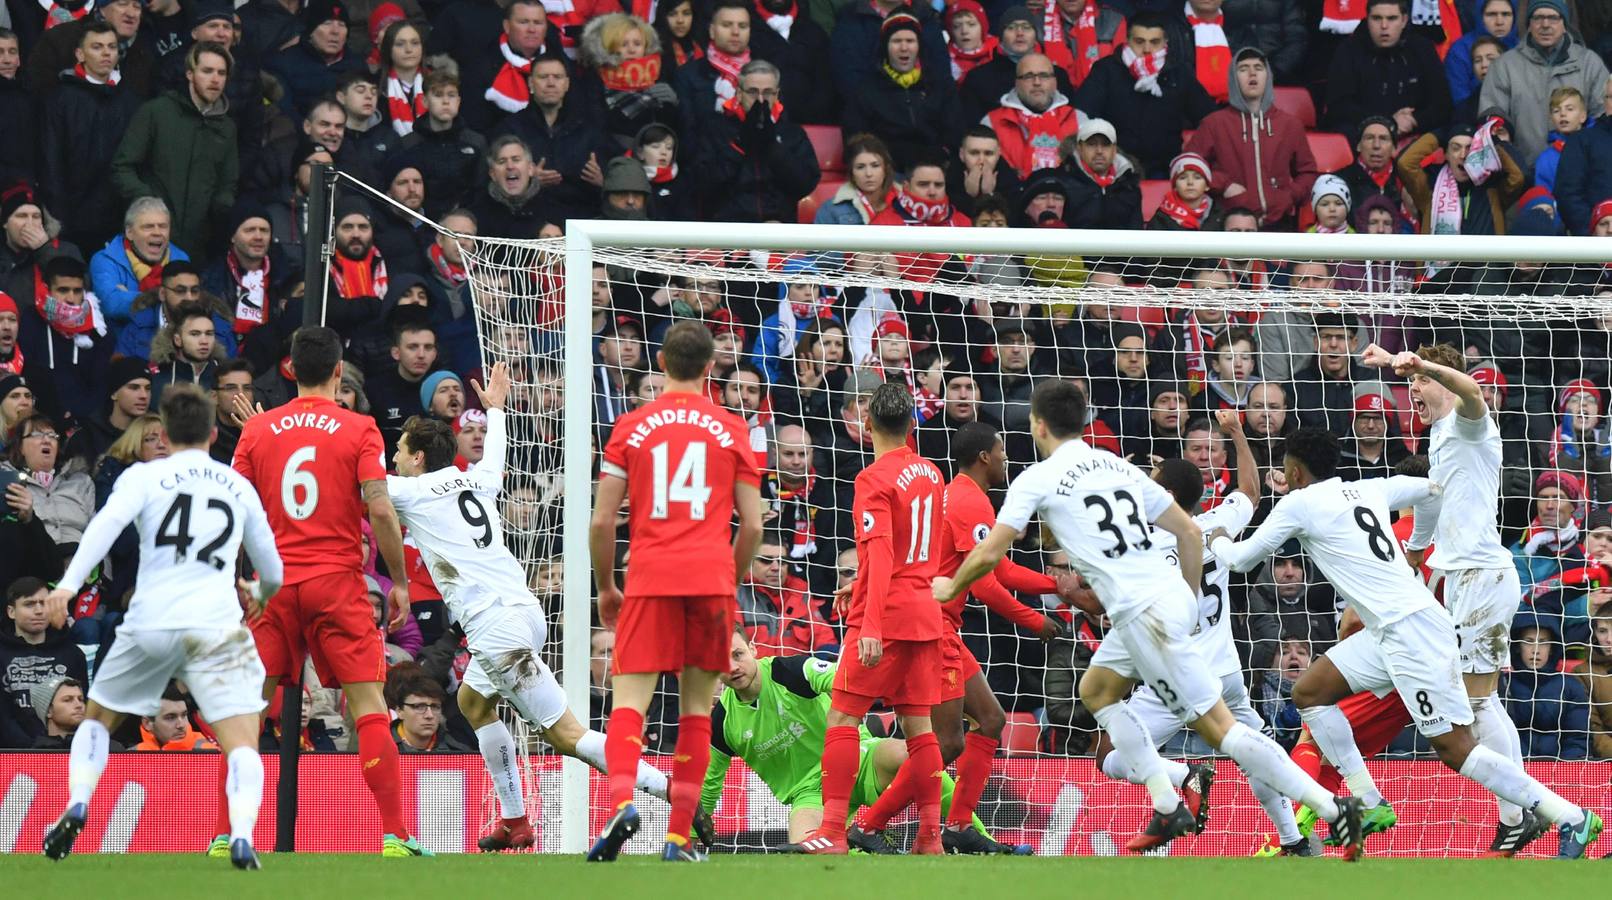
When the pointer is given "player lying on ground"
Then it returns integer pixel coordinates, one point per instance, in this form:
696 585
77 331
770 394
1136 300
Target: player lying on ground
1213 636
184 619
772 714
453 517
1408 643
686 465
981 462
1102 511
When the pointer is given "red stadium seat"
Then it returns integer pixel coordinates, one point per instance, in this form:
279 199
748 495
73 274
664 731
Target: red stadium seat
830 146
1153 191
1186 138
887 718
821 195
1020 734
1149 317
1332 151
1297 101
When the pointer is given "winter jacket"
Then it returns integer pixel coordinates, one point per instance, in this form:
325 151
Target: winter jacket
24 665
1458 58
621 113
808 91
114 282
244 90
1363 187
186 156
1521 80
912 122
854 46
53 52
982 88
1541 567
1264 150
1367 80
266 26
134 339
1119 205
1310 614
18 159
1550 707
1321 401
1008 186
66 506
1597 678
65 377
449 161
29 551
1030 139
1149 127
564 146
1501 190
78 136
1584 174
747 185
1276 27
477 71
168 369
306 75
785 621
499 215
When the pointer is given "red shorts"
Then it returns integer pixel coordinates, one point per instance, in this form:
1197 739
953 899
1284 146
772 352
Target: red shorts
669 634
957 666
328 617
907 677
1376 720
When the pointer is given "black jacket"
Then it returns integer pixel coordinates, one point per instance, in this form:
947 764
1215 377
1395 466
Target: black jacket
982 87
501 216
392 400
266 26
17 158
1007 186
79 132
854 46
807 90
23 665
912 122
1149 127
53 52
1368 81
306 76
450 163
564 146
1276 27
476 73
1093 206
753 179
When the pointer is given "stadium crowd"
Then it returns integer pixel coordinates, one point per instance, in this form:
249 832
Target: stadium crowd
155 197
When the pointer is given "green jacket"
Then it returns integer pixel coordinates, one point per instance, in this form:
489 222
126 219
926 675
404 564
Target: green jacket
174 151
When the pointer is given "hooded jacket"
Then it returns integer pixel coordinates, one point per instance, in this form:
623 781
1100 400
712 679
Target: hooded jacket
1520 83
146 319
1030 139
168 369
185 155
1597 678
1262 148
1551 708
1367 80
24 665
1458 58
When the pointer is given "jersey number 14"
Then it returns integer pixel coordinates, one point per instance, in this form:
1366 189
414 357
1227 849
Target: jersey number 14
685 484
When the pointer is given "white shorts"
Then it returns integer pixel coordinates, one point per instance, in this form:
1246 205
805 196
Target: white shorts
506 660
220 666
1482 603
1162 724
1156 648
1415 656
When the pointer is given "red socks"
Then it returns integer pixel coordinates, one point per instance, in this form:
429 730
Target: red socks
1308 757
377 757
1330 779
923 758
688 774
973 769
624 746
221 817
842 756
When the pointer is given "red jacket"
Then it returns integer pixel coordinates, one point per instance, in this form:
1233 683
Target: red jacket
783 622
1030 139
1270 157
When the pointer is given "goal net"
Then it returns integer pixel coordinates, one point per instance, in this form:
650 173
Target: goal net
1161 330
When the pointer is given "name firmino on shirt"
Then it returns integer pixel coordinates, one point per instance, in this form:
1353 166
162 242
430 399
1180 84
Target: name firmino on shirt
681 416
305 420
914 470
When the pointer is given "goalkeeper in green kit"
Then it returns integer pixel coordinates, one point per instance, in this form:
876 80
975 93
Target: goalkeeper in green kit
772 714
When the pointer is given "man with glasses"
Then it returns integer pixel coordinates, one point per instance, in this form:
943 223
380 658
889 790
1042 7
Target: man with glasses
1521 80
418 728
779 614
152 309
756 163
232 379
1034 117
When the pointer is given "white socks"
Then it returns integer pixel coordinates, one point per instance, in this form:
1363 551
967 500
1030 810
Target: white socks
243 788
498 752
1507 780
1262 759
1132 744
1493 728
591 750
1116 767
1330 729
86 761
1278 808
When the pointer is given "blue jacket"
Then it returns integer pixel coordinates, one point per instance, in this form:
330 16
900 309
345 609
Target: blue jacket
1550 707
114 282
1458 60
1546 164
1584 174
134 339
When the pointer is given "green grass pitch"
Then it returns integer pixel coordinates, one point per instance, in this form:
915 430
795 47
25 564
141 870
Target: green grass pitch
313 877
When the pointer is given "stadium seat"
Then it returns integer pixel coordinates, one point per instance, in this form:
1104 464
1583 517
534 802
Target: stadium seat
1153 191
1186 138
1149 317
1020 734
1408 423
829 143
1298 102
820 195
1332 151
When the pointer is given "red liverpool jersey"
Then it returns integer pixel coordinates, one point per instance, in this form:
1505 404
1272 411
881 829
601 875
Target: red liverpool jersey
969 518
681 456
307 459
899 509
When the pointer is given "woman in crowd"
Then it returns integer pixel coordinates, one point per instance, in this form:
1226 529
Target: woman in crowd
621 69
870 188
403 55
63 494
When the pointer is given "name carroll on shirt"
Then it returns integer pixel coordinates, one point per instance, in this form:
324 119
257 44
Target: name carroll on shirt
173 481
681 416
305 420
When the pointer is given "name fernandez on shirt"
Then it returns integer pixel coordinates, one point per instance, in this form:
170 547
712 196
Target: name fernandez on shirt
914 471
305 420
681 416
1071 476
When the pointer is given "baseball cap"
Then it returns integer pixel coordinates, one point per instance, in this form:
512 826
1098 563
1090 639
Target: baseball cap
1094 127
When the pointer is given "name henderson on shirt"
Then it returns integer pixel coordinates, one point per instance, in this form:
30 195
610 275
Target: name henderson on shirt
680 416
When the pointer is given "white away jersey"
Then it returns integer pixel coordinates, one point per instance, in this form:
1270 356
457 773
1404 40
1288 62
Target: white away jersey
1213 633
193 514
1101 509
1345 527
1464 456
453 518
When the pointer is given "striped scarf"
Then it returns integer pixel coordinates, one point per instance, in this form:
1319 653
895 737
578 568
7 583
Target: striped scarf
1213 53
509 91
404 102
57 14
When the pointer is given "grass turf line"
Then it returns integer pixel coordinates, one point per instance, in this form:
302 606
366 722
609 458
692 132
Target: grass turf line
314 876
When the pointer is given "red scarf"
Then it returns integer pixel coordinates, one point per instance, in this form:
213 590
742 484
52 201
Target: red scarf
683 57
1379 177
509 91
1342 16
251 294
727 72
731 108
866 208
82 74
922 212
356 278
1214 493
1212 52
447 271
1085 31
1104 180
778 22
633 75
661 174
964 61
56 14
404 102
1188 217
15 365
1198 340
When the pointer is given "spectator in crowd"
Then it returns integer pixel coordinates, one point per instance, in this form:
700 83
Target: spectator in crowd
1496 20
1275 28
154 309
1104 188
79 134
1373 172
995 76
1078 33
861 31
1579 443
1324 392
509 207
1568 597
1073 728
497 73
34 652
756 163
1549 706
128 398
1568 116
1386 69
1198 35
968 38
806 389
66 332
706 83
1584 173
132 263
182 147
983 172
670 195
403 71
363 132
1369 450
1258 155
871 186
1449 200
442 394
170 731
447 154
1289 598
1329 201
911 106
620 55
1005 393
214 21
568 148
141 442
1232 371
776 607
311 68
17 104
16 398
53 50
681 36
31 239
268 26
1597 675
1187 206
249 279
1165 437
446 255
1485 52
60 486
1520 83
1034 118
402 239
793 496
419 725
186 350
961 406
1268 423
784 35
470 439
1149 96
402 644
1273 692
288 213
1551 543
59 704
394 392
232 379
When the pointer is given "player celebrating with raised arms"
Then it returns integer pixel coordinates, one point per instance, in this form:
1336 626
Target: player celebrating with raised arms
453 517
184 620
1408 643
685 463
1102 510
1481 589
